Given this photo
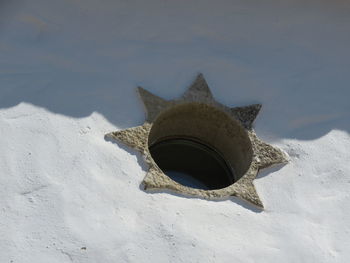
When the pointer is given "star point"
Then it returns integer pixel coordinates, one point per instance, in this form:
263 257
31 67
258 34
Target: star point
247 114
198 91
149 100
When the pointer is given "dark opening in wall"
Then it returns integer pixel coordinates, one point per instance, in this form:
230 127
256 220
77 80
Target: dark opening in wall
200 146
192 163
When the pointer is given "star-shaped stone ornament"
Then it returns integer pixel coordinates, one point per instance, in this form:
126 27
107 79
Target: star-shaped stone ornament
198 115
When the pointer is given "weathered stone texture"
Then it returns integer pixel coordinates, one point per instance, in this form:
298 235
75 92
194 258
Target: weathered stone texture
263 155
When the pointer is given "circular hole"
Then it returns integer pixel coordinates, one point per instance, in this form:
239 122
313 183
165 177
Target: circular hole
192 163
200 146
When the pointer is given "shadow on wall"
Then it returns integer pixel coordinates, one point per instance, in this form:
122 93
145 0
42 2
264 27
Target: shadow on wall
75 60
78 95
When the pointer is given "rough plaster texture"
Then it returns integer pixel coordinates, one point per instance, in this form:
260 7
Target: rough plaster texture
236 123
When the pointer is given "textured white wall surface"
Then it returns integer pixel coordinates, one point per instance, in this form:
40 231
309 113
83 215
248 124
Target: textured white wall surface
68 74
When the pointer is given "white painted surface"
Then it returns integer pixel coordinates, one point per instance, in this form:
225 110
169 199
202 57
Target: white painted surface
68 72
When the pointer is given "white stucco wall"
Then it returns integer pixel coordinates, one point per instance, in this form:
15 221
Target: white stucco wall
68 73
